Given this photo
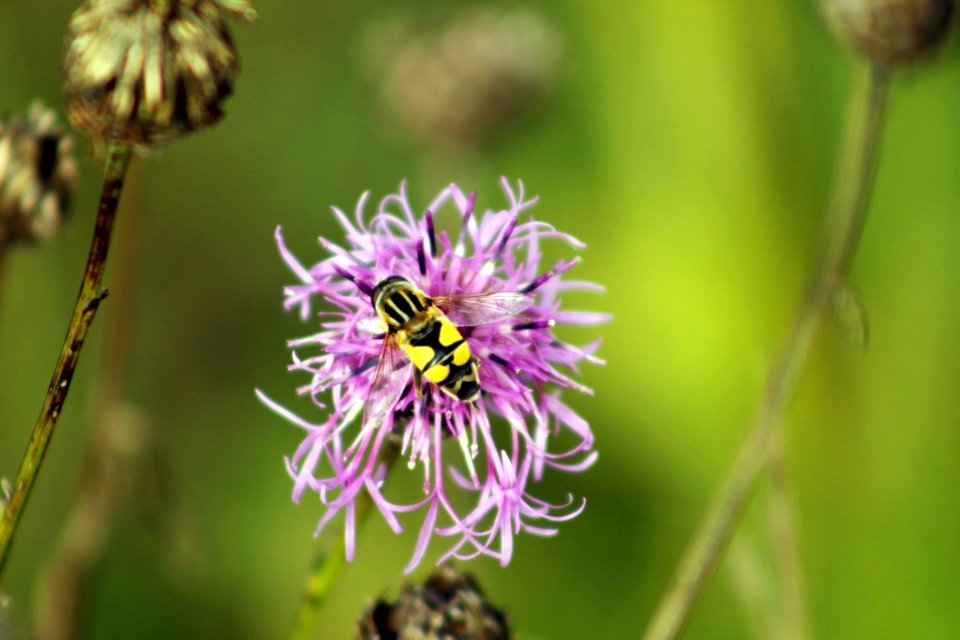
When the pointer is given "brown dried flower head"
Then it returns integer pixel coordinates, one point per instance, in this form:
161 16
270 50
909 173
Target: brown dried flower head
147 71
449 606
458 81
37 176
891 31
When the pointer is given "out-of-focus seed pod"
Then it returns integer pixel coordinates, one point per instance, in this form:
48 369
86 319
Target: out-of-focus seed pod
448 606
456 82
38 176
891 31
147 71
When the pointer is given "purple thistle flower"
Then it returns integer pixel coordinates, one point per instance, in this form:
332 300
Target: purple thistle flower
522 368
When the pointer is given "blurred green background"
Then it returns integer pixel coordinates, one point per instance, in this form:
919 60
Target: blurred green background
691 146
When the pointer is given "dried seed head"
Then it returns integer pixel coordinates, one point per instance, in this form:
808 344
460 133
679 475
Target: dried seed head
448 606
147 71
457 82
37 176
891 31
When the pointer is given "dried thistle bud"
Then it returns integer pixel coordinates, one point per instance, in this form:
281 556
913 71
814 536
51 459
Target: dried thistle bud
147 71
37 176
449 606
458 81
891 31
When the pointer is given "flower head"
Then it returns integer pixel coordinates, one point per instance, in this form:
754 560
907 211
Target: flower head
37 176
891 31
449 604
147 71
505 435
460 80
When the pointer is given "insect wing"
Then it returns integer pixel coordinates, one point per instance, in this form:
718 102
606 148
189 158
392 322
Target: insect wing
472 309
386 385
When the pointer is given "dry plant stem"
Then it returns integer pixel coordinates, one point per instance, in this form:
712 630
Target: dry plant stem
326 566
115 455
84 311
845 218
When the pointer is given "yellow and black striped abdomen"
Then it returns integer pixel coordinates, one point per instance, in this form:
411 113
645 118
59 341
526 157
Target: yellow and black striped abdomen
444 357
425 334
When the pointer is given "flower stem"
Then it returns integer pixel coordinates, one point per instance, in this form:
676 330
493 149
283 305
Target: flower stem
783 529
84 310
328 562
117 460
846 214
324 569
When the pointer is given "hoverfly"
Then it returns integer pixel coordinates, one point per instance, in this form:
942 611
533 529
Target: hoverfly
418 327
